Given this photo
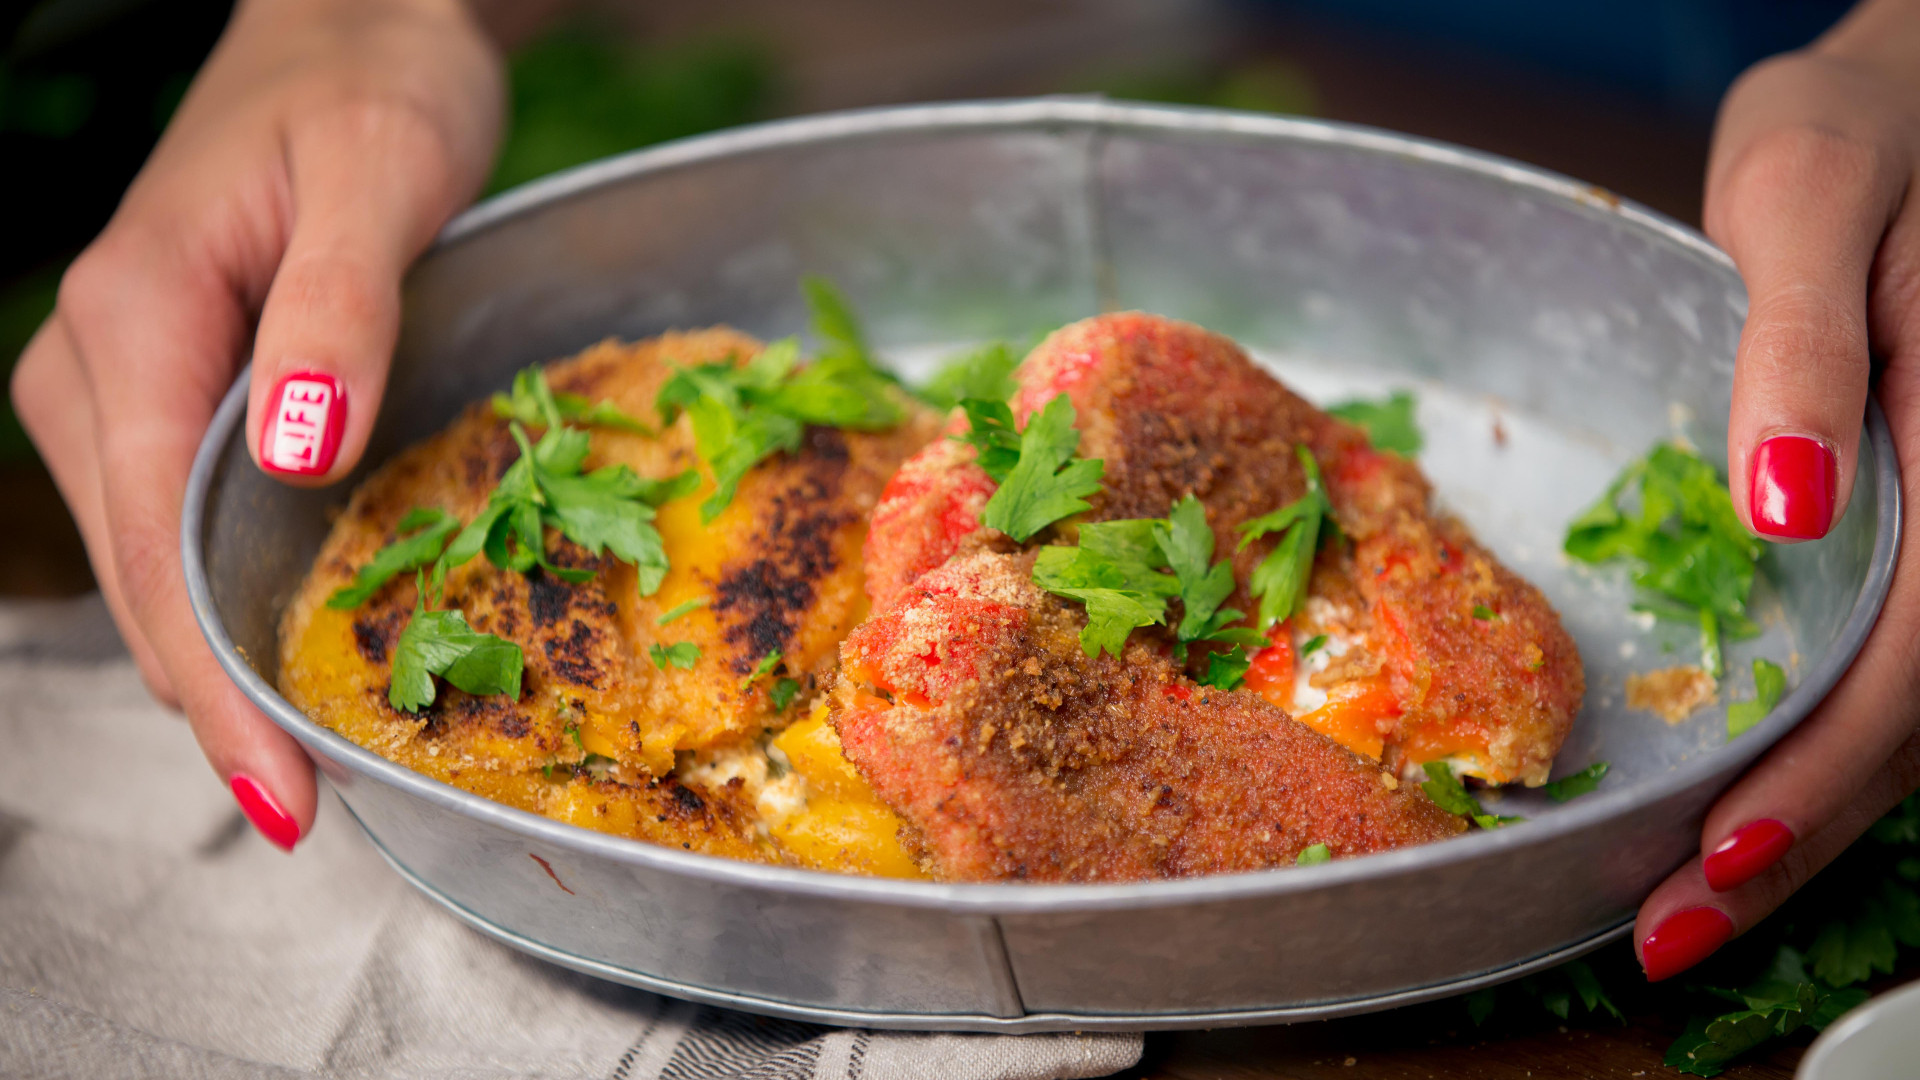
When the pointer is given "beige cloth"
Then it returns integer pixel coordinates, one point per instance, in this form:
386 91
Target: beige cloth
147 931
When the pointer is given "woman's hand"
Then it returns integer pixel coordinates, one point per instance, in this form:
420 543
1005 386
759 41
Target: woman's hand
1814 188
319 150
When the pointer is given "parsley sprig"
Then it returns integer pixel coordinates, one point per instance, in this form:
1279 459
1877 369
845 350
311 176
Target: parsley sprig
1450 795
743 414
1281 578
1389 423
1125 571
1692 559
532 402
984 374
1041 481
1769 682
609 509
422 535
1577 784
439 642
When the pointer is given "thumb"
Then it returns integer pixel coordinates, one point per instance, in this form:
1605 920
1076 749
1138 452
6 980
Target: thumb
1801 209
369 187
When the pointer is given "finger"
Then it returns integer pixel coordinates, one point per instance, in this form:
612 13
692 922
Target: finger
158 327
1802 209
55 405
370 187
1686 919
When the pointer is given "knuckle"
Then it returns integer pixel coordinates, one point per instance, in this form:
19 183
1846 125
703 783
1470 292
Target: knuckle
1801 157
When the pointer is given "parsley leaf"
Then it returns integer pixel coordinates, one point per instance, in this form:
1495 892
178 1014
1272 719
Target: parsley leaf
1281 578
990 431
1186 542
1048 483
743 414
782 693
1314 644
1769 682
1389 424
1577 784
1450 795
681 609
1691 557
766 666
1484 613
531 402
681 654
429 528
609 509
441 643
834 322
985 373
1313 856
1226 670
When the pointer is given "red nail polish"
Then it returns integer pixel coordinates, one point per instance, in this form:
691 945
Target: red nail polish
1793 488
1683 940
274 823
306 413
1742 856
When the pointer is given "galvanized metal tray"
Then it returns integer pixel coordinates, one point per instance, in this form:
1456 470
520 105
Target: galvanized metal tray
1555 331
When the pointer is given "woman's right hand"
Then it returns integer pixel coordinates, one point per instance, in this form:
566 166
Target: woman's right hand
319 150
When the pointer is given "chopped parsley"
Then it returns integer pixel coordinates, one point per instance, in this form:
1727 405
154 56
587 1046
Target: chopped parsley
742 414
675 612
1313 856
1450 795
985 374
834 323
990 432
1670 518
1126 571
1484 613
782 693
422 536
1769 682
1577 784
764 667
533 403
1314 644
441 643
1281 578
1389 424
681 654
1226 670
608 509
1047 482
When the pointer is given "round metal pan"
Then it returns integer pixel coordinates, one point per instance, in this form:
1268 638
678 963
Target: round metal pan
1580 321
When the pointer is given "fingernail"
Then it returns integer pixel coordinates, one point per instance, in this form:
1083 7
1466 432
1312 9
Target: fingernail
305 414
1683 940
1793 488
274 823
1742 856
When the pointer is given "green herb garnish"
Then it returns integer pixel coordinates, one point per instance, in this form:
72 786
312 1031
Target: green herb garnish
1314 644
681 654
1313 856
766 665
1226 669
1484 613
985 373
991 433
1047 482
841 337
1389 424
422 535
1126 571
743 414
531 402
608 509
1692 559
1577 784
441 643
678 610
1450 795
1281 578
1769 682
782 693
